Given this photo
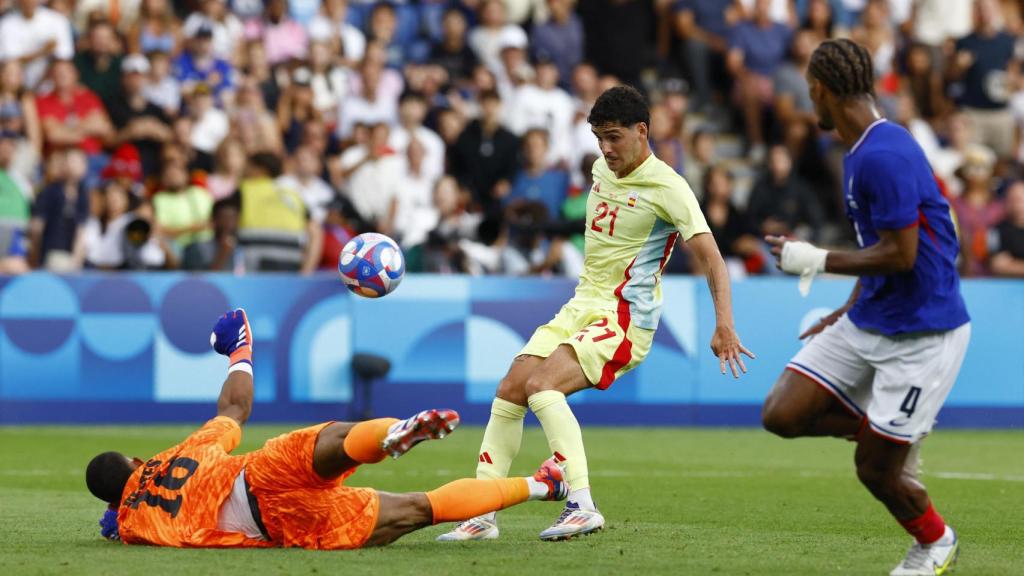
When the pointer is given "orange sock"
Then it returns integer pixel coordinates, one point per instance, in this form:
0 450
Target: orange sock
363 441
463 499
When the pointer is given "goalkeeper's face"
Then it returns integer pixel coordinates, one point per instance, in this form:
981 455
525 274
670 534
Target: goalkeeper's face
623 147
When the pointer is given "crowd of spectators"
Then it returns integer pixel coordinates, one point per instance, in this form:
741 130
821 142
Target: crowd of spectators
261 135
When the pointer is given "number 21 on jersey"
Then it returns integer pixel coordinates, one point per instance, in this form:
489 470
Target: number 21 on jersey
604 211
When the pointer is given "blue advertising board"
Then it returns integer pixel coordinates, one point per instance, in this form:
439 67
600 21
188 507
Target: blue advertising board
135 347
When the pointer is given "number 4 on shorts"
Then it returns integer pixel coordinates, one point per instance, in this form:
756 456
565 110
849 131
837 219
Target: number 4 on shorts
910 402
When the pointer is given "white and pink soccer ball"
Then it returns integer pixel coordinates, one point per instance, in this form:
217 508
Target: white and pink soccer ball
371 265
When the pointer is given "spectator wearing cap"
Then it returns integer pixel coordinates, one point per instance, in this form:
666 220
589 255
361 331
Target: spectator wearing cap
452 52
73 116
275 231
284 39
560 39
985 66
331 26
125 168
757 47
536 181
199 64
978 209
226 30
515 71
161 88
18 116
412 111
544 105
156 30
138 121
58 213
32 35
14 208
484 158
1008 254
493 33
99 64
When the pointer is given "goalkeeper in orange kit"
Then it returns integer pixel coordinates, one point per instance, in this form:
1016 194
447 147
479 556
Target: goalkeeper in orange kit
291 492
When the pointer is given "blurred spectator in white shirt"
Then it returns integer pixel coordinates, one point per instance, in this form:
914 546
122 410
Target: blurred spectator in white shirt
374 179
304 177
330 25
227 28
33 34
545 105
487 38
412 110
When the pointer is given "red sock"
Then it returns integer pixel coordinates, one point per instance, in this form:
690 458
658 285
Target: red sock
927 527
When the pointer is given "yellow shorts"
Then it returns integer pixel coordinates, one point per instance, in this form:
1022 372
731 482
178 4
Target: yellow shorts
607 344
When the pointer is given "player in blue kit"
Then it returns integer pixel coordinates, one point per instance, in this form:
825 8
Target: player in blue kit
879 368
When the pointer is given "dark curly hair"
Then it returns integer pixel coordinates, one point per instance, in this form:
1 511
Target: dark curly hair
621 105
844 67
107 475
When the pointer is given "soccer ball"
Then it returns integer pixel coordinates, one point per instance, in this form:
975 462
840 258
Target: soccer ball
371 265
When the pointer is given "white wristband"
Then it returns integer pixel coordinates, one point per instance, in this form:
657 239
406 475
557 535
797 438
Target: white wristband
804 259
241 367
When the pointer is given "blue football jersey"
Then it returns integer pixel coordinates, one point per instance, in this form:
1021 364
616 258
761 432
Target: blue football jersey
889 185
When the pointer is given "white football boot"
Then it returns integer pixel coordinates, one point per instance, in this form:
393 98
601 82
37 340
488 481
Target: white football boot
931 560
573 522
479 528
427 425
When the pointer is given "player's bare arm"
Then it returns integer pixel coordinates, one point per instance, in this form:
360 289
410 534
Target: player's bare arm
895 252
725 343
233 338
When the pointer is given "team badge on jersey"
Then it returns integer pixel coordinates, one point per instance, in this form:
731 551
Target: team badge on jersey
633 198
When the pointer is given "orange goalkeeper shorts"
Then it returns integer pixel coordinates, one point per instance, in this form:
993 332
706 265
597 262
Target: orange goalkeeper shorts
301 509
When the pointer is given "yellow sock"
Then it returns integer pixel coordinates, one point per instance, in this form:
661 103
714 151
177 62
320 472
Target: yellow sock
564 435
467 498
502 438
362 443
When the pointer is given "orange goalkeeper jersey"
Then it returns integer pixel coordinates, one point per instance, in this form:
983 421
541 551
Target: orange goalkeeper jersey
174 499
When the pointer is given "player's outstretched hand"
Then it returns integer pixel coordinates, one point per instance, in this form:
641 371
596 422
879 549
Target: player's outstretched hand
823 323
231 333
725 343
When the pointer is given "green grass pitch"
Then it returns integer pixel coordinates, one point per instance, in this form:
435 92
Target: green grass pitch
677 501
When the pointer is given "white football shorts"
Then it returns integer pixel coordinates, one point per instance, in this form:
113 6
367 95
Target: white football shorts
898 382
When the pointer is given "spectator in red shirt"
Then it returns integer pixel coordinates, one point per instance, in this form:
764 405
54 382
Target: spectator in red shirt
73 116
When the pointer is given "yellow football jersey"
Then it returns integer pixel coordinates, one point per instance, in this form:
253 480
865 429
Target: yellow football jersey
632 226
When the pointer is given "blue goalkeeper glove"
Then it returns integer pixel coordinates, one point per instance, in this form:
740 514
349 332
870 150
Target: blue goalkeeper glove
232 337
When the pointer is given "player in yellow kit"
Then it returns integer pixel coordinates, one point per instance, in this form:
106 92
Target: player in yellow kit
636 210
